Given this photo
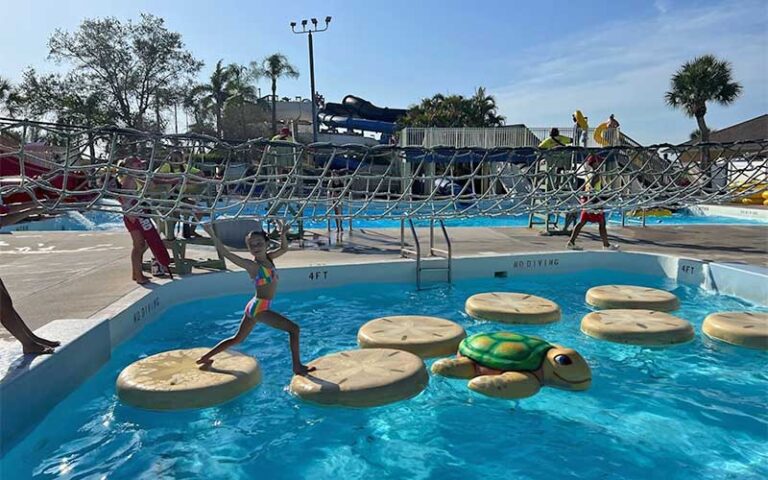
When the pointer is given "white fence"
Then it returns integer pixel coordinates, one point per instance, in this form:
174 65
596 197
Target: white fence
509 136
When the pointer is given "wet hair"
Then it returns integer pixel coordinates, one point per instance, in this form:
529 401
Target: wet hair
254 233
554 132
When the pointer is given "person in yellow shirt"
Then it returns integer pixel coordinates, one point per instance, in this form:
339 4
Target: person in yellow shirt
554 140
284 135
175 163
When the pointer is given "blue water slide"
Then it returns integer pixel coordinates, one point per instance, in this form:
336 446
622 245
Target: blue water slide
356 123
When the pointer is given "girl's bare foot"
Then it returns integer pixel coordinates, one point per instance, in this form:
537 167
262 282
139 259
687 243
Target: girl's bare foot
302 369
48 343
142 280
37 349
204 362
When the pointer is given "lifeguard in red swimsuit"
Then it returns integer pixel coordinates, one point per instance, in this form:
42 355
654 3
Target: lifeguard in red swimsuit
593 184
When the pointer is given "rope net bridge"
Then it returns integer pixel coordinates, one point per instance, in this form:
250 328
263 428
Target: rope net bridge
170 177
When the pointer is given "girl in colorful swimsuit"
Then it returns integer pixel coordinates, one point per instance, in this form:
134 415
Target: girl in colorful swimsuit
263 272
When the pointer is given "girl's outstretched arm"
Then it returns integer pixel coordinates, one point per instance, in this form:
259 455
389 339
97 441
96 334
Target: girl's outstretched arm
283 241
228 254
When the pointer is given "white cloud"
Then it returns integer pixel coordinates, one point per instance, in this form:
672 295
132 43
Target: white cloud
625 69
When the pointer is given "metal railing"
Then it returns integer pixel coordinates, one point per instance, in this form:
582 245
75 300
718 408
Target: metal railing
446 253
509 136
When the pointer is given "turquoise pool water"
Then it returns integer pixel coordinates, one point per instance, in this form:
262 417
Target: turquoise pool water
692 411
113 221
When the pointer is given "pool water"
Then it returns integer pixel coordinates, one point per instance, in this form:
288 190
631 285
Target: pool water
691 411
114 221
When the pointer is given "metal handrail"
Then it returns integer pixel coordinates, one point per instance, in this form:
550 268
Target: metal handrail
450 249
404 251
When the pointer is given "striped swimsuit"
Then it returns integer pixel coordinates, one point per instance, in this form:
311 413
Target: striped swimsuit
264 276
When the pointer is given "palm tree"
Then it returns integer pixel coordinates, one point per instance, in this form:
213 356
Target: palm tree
696 134
485 108
454 111
274 67
214 93
241 92
6 93
5 88
705 79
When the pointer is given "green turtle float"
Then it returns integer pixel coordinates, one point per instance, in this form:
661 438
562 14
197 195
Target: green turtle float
511 365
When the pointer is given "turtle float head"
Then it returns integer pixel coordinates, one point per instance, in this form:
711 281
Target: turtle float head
564 368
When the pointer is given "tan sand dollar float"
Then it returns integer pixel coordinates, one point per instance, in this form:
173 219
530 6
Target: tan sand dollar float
423 336
637 327
629 296
362 378
745 329
173 381
510 307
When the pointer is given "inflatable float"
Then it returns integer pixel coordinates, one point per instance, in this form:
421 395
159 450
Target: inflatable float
511 365
173 381
154 242
756 198
581 120
630 296
637 327
652 212
423 336
745 329
508 307
600 134
362 378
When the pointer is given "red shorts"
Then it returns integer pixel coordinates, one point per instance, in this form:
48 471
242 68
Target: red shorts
592 217
132 225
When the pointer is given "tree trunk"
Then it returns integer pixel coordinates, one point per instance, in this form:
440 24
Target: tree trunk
703 129
91 146
705 162
274 106
157 114
219 132
244 134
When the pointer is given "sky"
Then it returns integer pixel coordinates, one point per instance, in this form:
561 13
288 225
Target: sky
541 60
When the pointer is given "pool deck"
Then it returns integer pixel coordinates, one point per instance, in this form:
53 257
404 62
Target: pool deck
59 275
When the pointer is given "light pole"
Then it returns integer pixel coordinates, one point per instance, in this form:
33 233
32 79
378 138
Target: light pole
309 31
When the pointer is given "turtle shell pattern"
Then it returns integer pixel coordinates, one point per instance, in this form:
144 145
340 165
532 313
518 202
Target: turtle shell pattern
505 351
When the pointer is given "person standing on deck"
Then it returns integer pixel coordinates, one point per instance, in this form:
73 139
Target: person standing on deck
591 215
175 163
554 140
613 130
9 317
335 188
142 230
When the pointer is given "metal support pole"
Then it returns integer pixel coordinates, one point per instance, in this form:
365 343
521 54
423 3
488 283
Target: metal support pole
402 234
309 30
312 86
431 235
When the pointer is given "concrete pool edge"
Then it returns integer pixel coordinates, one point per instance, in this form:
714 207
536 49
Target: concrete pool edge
27 392
731 211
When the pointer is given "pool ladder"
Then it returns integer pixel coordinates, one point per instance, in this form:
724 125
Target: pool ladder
433 252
